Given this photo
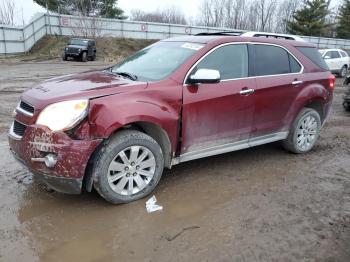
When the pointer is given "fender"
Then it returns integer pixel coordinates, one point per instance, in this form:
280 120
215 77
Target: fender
311 93
108 114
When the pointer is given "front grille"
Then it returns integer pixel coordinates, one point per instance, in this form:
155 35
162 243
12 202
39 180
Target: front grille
26 107
18 128
72 50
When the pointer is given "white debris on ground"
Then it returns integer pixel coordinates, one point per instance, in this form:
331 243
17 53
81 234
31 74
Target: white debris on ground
151 205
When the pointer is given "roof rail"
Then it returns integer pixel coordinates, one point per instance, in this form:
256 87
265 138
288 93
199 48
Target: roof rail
229 33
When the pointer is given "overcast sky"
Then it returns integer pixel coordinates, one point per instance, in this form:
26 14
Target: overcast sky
25 9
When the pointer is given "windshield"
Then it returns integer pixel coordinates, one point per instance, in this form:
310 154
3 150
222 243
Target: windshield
157 61
78 42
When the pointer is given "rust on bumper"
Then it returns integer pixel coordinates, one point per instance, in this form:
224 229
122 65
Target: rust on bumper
72 157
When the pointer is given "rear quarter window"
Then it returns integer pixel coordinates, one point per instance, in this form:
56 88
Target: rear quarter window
314 56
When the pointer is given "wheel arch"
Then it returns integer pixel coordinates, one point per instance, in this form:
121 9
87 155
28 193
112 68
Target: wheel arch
153 130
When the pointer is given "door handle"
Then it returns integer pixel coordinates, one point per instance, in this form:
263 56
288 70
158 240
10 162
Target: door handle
246 91
297 82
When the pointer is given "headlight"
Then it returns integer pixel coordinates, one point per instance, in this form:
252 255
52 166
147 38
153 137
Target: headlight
63 115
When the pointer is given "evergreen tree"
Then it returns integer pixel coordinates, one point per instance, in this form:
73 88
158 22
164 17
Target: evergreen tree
310 19
100 8
343 27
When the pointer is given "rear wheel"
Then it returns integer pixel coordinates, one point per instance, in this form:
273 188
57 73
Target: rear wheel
128 168
346 105
304 132
343 71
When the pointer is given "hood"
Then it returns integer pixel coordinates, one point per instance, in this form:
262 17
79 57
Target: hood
83 85
77 46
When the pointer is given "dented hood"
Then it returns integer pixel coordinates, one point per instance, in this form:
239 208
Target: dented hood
83 85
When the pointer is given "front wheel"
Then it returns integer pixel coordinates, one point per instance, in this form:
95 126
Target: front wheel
304 132
84 57
128 167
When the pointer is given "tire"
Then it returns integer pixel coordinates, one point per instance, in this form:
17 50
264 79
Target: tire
64 57
346 106
93 58
84 57
343 71
303 131
109 166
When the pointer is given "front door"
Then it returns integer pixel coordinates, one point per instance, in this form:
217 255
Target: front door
222 113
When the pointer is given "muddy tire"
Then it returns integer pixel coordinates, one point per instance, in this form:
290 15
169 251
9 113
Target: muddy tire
128 167
84 57
304 132
343 71
346 105
64 57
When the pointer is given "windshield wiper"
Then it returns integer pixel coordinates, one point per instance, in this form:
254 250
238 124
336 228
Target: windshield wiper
125 74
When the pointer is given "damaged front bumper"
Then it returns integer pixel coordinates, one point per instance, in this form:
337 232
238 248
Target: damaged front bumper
67 172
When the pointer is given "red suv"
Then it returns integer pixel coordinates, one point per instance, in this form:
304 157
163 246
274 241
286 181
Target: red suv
177 100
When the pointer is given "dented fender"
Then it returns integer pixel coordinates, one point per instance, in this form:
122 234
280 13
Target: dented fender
108 114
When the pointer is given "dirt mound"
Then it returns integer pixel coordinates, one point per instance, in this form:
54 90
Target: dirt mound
109 49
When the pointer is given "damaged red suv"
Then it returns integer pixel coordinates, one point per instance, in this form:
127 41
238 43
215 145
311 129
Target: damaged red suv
177 100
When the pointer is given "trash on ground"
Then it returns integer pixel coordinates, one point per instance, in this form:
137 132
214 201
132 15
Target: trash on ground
151 205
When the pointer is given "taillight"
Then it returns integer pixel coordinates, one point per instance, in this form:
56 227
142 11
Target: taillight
331 83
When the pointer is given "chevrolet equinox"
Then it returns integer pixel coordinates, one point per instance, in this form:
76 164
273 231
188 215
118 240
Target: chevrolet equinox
177 100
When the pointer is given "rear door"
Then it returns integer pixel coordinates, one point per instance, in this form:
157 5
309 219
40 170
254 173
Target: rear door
279 80
222 113
333 60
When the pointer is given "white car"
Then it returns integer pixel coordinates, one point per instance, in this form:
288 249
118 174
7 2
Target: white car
273 35
337 60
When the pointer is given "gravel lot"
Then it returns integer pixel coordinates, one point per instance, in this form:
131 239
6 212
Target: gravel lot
259 204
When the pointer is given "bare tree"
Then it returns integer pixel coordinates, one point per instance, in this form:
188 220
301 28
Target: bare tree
7 12
285 13
171 15
212 13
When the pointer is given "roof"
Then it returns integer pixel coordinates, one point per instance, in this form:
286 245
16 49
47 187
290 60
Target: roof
205 39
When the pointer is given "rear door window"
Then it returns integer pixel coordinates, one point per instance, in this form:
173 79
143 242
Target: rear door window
314 56
273 60
343 54
230 60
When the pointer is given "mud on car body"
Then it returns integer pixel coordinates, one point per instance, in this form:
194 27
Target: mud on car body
177 100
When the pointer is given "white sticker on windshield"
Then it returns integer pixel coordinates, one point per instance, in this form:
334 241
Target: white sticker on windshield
192 46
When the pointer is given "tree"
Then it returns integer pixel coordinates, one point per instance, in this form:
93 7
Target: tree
310 19
96 8
170 15
343 28
7 12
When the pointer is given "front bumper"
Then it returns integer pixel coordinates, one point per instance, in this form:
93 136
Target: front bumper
67 174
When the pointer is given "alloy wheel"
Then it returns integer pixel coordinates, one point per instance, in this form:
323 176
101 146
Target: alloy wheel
131 170
307 132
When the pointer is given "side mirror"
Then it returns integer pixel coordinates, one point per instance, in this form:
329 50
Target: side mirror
205 76
327 57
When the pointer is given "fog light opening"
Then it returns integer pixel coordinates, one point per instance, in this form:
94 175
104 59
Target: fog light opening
50 160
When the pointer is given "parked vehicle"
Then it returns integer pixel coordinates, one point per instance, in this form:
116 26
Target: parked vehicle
346 98
83 49
337 60
177 100
273 35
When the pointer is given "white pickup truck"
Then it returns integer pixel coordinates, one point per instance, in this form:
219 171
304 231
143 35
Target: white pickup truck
337 60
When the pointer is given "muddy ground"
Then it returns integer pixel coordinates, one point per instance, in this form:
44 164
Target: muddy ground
259 204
